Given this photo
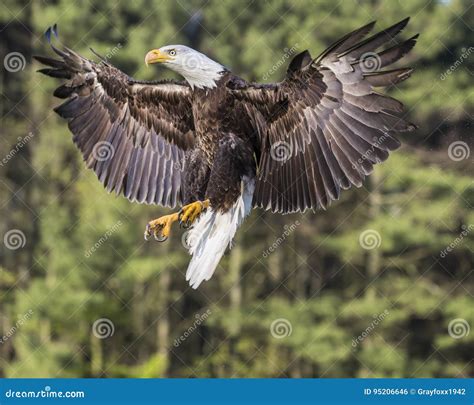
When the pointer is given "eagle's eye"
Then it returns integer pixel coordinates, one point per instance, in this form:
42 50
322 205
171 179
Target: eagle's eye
172 52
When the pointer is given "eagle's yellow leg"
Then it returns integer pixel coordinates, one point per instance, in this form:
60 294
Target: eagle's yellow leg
160 228
190 212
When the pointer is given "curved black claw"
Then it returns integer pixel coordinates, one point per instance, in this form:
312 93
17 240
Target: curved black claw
147 233
180 220
156 231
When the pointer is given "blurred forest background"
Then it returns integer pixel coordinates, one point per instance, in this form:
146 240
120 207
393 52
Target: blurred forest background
379 285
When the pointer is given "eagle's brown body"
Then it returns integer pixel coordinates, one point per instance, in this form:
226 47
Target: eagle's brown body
224 148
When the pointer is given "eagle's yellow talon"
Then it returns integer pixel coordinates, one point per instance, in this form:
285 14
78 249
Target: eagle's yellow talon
160 228
189 213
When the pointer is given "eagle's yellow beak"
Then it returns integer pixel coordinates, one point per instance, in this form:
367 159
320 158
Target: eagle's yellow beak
156 56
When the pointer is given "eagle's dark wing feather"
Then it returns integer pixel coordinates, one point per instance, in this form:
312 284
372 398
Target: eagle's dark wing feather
324 127
132 134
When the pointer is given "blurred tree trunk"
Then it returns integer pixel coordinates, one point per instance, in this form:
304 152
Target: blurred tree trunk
33 113
163 324
301 279
373 255
274 255
139 312
235 265
5 347
97 357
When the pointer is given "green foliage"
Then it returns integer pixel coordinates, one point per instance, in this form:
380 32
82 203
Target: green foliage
346 311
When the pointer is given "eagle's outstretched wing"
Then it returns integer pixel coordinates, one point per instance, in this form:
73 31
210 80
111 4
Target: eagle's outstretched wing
324 127
132 134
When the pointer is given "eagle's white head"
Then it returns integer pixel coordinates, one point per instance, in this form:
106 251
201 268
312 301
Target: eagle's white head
198 70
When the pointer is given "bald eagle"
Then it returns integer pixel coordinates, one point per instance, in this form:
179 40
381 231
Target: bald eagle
219 146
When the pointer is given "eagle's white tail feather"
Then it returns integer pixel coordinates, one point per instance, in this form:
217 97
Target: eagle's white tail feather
212 232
